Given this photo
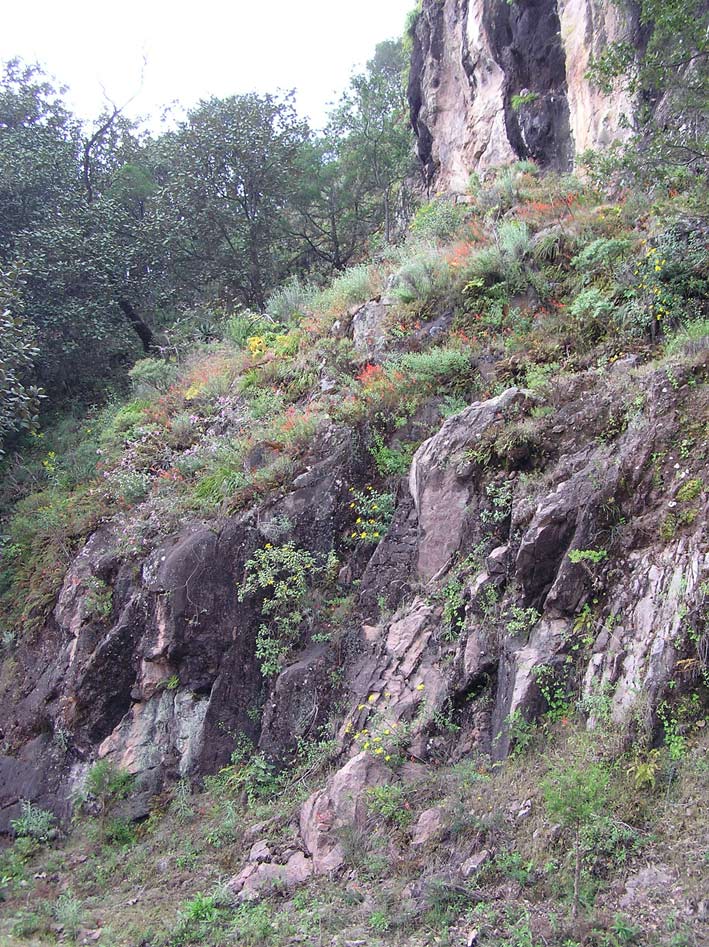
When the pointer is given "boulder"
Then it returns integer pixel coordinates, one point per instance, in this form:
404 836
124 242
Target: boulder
369 324
341 803
260 879
428 827
440 485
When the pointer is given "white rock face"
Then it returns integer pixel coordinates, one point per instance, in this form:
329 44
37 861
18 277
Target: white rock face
586 27
493 82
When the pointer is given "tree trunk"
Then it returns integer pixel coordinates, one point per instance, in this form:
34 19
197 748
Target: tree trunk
577 873
143 331
387 217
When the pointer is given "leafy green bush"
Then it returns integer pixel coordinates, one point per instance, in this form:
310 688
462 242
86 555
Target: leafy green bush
119 832
591 314
391 803
281 575
19 398
34 823
151 375
435 371
372 514
390 461
601 256
438 220
106 784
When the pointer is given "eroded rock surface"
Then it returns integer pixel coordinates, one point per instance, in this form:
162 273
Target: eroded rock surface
463 608
492 82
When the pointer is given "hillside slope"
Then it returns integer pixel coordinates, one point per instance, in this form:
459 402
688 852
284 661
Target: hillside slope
412 575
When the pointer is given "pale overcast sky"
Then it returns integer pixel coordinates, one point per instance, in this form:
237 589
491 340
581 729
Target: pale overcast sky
199 49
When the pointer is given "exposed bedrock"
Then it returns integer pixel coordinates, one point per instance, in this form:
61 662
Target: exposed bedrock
492 82
165 684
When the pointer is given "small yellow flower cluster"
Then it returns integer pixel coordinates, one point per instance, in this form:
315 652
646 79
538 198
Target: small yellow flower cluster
383 737
256 345
661 297
373 513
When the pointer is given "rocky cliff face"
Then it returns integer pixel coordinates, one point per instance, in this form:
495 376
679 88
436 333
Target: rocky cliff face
492 82
471 606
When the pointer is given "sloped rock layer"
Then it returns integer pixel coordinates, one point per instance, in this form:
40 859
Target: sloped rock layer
484 604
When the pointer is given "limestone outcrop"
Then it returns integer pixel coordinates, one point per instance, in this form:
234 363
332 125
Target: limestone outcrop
493 82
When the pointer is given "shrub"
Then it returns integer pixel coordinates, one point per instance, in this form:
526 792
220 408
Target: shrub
242 326
501 195
576 795
390 461
201 908
423 279
254 925
106 784
215 487
152 375
601 256
438 220
355 285
514 241
280 574
98 599
128 486
291 299
692 335
34 823
436 370
68 912
372 513
526 98
265 403
119 832
591 314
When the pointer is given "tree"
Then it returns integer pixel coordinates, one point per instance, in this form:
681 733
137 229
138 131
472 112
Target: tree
372 120
331 214
230 175
19 400
83 248
575 795
669 79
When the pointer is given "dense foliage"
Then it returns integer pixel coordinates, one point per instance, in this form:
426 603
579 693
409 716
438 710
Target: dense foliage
121 235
